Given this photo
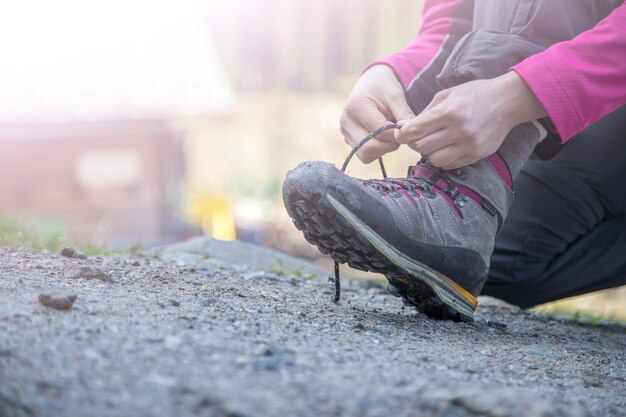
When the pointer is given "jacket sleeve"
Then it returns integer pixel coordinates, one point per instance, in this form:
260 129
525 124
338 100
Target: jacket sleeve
581 80
437 25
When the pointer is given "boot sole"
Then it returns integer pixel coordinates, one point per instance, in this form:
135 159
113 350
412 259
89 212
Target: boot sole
330 226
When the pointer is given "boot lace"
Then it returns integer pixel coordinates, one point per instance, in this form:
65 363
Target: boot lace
335 282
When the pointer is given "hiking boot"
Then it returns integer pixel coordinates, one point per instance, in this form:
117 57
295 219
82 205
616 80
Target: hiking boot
430 233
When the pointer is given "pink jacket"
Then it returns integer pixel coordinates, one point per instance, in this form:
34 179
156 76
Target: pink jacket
577 81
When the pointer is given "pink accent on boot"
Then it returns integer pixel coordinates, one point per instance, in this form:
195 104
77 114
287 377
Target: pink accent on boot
499 165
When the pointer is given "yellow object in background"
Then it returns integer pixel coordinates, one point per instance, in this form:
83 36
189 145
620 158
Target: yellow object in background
214 214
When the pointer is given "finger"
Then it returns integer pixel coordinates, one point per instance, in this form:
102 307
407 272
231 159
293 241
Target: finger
399 107
421 126
375 119
468 157
425 117
367 114
434 142
446 157
372 150
459 163
352 132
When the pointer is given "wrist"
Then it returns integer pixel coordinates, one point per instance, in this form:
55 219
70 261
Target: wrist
519 103
380 68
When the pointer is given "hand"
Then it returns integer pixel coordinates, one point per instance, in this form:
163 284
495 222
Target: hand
469 122
376 100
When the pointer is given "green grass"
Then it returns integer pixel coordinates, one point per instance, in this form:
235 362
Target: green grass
594 308
46 234
15 232
281 271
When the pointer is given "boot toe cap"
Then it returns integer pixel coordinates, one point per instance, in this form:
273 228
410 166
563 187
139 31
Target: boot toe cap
309 179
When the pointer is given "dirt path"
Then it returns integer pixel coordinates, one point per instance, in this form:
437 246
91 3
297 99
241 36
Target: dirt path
166 339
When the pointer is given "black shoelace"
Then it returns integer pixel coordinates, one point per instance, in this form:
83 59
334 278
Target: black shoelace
335 282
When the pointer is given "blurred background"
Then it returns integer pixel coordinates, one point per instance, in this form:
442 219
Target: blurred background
136 123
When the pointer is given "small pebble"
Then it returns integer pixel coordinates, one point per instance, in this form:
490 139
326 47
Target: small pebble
208 301
69 252
206 271
61 300
359 327
73 253
496 324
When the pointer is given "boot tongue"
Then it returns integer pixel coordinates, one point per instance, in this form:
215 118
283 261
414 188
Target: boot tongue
422 169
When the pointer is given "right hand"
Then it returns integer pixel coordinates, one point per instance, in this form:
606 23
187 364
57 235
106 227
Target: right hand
377 99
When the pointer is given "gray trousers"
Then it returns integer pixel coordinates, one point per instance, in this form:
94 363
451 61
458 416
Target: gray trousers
566 231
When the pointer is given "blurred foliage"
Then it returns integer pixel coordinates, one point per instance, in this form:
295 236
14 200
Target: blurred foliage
49 235
589 308
282 271
13 232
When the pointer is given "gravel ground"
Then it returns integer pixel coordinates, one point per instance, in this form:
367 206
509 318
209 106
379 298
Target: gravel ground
149 337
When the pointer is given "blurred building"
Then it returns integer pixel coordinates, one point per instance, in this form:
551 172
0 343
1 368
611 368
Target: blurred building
92 95
114 182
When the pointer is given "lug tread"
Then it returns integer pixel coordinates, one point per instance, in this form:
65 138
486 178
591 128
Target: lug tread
323 227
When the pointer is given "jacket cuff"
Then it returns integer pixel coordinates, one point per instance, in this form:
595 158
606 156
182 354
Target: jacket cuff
547 87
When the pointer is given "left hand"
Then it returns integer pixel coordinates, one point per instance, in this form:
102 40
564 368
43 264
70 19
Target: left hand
469 122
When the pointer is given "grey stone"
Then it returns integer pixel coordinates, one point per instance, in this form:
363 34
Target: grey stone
269 276
272 358
11 405
88 272
253 257
540 353
59 299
